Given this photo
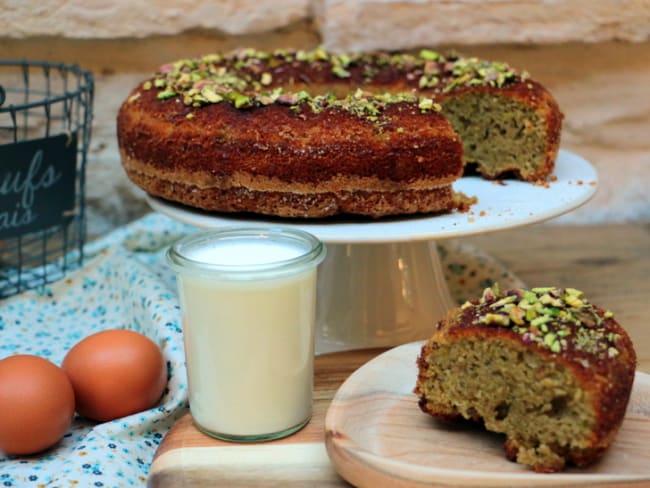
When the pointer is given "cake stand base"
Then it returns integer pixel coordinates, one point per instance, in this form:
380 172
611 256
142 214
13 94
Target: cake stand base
374 295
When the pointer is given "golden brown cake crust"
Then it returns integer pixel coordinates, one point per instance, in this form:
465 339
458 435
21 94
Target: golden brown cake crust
238 132
590 345
314 163
272 142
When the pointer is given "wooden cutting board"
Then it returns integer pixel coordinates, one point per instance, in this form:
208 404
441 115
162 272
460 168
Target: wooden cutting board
188 458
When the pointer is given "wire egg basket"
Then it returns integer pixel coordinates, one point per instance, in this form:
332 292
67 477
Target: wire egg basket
46 112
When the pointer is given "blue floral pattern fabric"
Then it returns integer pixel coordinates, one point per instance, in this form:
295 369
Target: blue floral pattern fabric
126 283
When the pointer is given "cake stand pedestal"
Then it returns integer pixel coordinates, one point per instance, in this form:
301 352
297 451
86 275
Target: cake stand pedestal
381 283
372 295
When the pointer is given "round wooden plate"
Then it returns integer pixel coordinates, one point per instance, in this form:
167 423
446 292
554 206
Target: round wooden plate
377 436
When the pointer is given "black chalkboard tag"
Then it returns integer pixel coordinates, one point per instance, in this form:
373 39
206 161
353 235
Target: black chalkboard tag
37 184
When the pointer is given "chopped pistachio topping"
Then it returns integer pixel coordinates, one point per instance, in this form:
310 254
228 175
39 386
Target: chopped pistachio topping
341 72
248 78
429 55
495 318
425 104
163 95
553 318
266 79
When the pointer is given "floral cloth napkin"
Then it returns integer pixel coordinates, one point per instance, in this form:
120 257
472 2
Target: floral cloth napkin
125 283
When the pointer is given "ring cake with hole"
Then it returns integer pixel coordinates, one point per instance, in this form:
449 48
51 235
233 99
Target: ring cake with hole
313 134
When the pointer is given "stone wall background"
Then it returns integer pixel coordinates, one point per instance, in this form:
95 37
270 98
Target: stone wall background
594 55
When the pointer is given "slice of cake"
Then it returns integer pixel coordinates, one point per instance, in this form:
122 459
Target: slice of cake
545 367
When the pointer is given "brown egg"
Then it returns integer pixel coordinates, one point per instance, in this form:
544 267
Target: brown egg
36 404
115 373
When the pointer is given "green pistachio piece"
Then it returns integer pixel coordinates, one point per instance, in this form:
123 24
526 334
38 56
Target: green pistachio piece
530 297
548 299
541 290
495 318
301 96
210 95
266 79
429 55
573 301
503 301
428 81
163 95
466 305
211 58
549 338
343 59
488 295
425 104
542 319
517 315
531 313
573 292
524 304
340 71
239 99
320 54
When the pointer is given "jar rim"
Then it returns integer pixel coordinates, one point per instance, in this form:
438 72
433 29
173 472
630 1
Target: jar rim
314 252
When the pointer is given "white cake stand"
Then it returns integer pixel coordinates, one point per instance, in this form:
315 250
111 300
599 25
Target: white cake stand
382 283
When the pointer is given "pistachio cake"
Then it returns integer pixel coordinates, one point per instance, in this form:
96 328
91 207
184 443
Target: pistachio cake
312 133
545 367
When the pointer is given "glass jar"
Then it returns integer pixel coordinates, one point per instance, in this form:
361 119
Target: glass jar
248 301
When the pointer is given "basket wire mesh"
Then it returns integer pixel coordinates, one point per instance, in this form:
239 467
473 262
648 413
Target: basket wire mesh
40 100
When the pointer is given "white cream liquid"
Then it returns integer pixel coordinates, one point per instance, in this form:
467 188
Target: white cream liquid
249 343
